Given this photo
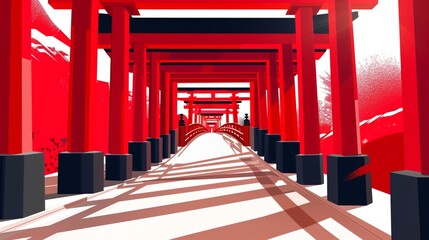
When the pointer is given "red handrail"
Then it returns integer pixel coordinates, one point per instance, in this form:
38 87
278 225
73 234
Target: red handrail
240 132
186 135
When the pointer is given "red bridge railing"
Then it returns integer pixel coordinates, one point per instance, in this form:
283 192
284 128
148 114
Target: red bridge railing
187 133
240 132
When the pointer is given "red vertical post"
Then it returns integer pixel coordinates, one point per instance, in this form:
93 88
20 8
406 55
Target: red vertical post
165 104
15 77
154 111
343 80
307 85
139 93
83 75
262 102
289 123
414 39
173 122
119 81
252 104
191 109
234 108
227 115
272 95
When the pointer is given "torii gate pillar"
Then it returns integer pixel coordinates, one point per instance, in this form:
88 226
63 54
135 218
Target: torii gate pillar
165 115
154 111
409 188
74 174
309 163
263 130
139 147
273 135
349 184
173 123
289 146
22 189
118 161
254 119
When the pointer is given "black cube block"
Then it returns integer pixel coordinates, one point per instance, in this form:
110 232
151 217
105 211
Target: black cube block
286 156
22 185
119 167
253 137
409 205
270 147
261 141
174 141
155 149
345 185
309 169
166 145
141 155
80 172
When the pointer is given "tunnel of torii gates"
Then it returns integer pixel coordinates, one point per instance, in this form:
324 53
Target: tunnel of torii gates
161 42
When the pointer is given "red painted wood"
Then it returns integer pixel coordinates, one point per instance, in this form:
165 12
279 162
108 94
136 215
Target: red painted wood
174 123
191 108
119 122
253 105
307 85
154 101
234 108
289 122
272 95
83 76
343 80
165 103
414 64
262 114
222 4
140 94
15 77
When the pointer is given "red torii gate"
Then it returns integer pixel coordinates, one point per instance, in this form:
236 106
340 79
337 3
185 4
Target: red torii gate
15 130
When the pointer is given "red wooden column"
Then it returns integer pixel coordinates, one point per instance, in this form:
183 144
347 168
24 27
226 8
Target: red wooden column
309 163
165 115
191 109
140 133
154 110
262 114
174 124
409 187
343 189
22 173
118 161
234 108
139 147
288 147
227 115
82 91
254 119
273 135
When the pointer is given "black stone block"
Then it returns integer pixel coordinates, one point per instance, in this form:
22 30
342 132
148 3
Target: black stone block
174 140
80 172
261 141
22 185
155 149
286 156
409 205
309 169
119 167
166 145
344 187
141 155
270 147
253 137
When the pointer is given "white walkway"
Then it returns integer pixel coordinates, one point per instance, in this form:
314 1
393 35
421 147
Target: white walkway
212 189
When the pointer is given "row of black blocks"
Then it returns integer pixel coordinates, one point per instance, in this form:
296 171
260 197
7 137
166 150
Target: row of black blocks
83 172
346 185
